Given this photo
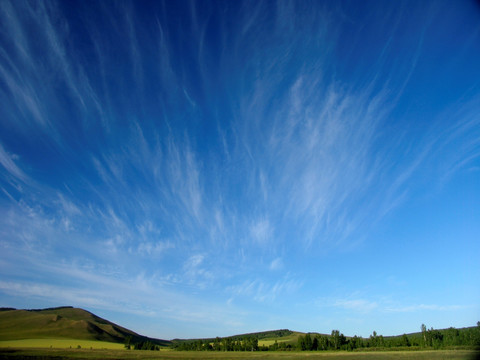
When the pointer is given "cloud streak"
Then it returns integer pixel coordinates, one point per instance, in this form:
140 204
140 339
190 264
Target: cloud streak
8 162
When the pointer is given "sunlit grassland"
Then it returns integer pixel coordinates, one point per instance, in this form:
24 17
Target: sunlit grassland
60 344
46 353
291 339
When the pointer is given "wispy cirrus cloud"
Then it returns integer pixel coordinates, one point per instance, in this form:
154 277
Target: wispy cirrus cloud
276 264
358 304
318 159
8 161
261 231
265 292
424 307
31 83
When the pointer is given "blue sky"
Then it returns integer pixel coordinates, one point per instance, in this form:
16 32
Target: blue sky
197 169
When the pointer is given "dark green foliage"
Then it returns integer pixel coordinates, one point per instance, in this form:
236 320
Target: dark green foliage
304 342
264 334
337 340
432 339
244 342
128 342
140 345
405 341
247 343
146 345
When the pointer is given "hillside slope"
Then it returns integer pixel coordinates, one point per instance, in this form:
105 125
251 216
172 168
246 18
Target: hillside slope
64 322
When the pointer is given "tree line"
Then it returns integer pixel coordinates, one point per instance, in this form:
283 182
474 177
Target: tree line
427 338
247 343
130 343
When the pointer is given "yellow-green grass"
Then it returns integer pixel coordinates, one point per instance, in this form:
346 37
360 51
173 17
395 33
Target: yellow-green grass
212 355
61 344
291 339
64 323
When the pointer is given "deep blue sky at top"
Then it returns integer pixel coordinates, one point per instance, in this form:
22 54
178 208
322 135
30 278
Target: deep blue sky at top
193 169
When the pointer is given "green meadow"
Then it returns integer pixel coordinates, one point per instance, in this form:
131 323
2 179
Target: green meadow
47 353
61 344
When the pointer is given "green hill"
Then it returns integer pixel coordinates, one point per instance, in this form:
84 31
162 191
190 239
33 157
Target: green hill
64 323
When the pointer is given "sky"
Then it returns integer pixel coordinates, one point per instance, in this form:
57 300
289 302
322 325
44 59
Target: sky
205 168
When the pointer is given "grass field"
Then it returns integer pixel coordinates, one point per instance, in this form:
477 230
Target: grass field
61 344
64 323
291 339
47 353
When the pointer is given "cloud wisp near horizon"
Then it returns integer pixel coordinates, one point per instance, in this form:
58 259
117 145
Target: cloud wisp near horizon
198 169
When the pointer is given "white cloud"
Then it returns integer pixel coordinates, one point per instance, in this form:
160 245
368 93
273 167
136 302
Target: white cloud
194 261
265 292
68 206
358 305
195 272
423 307
276 264
382 304
261 231
192 103
8 162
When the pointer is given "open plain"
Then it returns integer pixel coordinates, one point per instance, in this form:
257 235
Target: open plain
57 353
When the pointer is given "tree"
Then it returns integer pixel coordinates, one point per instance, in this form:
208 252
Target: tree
128 340
380 341
342 340
301 343
477 335
356 342
216 344
424 333
323 342
436 338
335 339
308 342
275 345
373 339
254 344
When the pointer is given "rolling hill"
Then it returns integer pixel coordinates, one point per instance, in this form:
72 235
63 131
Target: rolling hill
64 323
74 323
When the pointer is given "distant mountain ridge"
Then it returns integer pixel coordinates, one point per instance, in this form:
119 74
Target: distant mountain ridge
64 322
